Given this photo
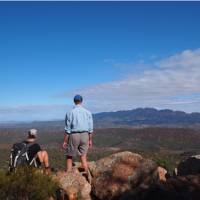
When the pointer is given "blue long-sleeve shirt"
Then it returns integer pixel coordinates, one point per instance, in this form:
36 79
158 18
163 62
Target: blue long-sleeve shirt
78 120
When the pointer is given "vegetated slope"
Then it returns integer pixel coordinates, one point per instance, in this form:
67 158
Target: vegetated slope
159 142
150 137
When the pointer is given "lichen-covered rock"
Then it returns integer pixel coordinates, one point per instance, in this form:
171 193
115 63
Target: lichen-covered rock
120 173
74 185
91 165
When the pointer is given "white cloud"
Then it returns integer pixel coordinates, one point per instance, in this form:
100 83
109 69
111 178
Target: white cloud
187 58
175 76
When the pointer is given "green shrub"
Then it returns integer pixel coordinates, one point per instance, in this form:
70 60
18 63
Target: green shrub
162 162
4 182
27 184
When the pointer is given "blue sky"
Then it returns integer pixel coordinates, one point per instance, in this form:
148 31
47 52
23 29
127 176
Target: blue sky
118 55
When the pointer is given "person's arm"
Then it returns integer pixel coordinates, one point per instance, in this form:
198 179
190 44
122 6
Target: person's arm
65 141
90 129
90 123
90 140
68 123
67 130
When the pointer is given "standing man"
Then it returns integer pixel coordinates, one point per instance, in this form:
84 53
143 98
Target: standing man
78 133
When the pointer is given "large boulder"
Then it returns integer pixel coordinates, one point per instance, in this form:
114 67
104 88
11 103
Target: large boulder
91 165
120 173
74 186
190 166
179 188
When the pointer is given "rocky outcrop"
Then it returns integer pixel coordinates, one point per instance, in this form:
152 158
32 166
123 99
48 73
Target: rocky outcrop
91 165
119 176
74 186
190 166
120 173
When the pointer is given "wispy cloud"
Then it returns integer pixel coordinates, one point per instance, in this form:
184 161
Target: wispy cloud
138 65
184 102
175 76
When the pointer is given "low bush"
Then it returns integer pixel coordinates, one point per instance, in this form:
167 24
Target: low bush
27 184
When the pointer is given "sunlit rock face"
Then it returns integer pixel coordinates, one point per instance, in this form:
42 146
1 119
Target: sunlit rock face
74 186
120 173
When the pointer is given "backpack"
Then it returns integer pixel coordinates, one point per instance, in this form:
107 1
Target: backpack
19 155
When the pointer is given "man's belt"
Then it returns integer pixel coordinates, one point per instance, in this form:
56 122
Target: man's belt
79 132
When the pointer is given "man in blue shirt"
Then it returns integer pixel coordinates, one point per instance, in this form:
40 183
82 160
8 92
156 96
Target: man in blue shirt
78 133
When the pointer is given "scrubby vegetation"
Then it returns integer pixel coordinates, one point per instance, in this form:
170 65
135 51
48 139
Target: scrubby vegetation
167 146
28 184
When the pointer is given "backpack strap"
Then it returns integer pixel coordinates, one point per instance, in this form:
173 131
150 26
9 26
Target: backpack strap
34 162
28 145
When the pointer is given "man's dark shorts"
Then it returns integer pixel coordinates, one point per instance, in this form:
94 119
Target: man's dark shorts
78 144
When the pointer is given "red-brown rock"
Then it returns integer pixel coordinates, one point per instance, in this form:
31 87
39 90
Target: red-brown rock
119 173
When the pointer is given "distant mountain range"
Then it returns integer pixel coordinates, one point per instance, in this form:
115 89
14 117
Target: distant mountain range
136 117
146 116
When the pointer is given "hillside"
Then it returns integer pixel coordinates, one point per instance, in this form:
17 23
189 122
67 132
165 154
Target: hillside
166 145
146 116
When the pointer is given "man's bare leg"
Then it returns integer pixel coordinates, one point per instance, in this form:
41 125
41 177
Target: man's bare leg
69 163
84 162
86 168
44 158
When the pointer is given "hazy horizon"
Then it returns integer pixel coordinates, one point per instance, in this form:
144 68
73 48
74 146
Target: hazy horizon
60 119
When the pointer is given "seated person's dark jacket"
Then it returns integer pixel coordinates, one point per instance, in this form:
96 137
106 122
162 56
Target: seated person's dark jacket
33 149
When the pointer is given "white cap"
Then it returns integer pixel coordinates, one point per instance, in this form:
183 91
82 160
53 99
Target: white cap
32 132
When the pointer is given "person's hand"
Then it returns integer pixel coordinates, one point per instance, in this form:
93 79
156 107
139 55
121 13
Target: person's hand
64 145
90 144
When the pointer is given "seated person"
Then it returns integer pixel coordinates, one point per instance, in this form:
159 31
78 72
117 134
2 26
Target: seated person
35 151
29 152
